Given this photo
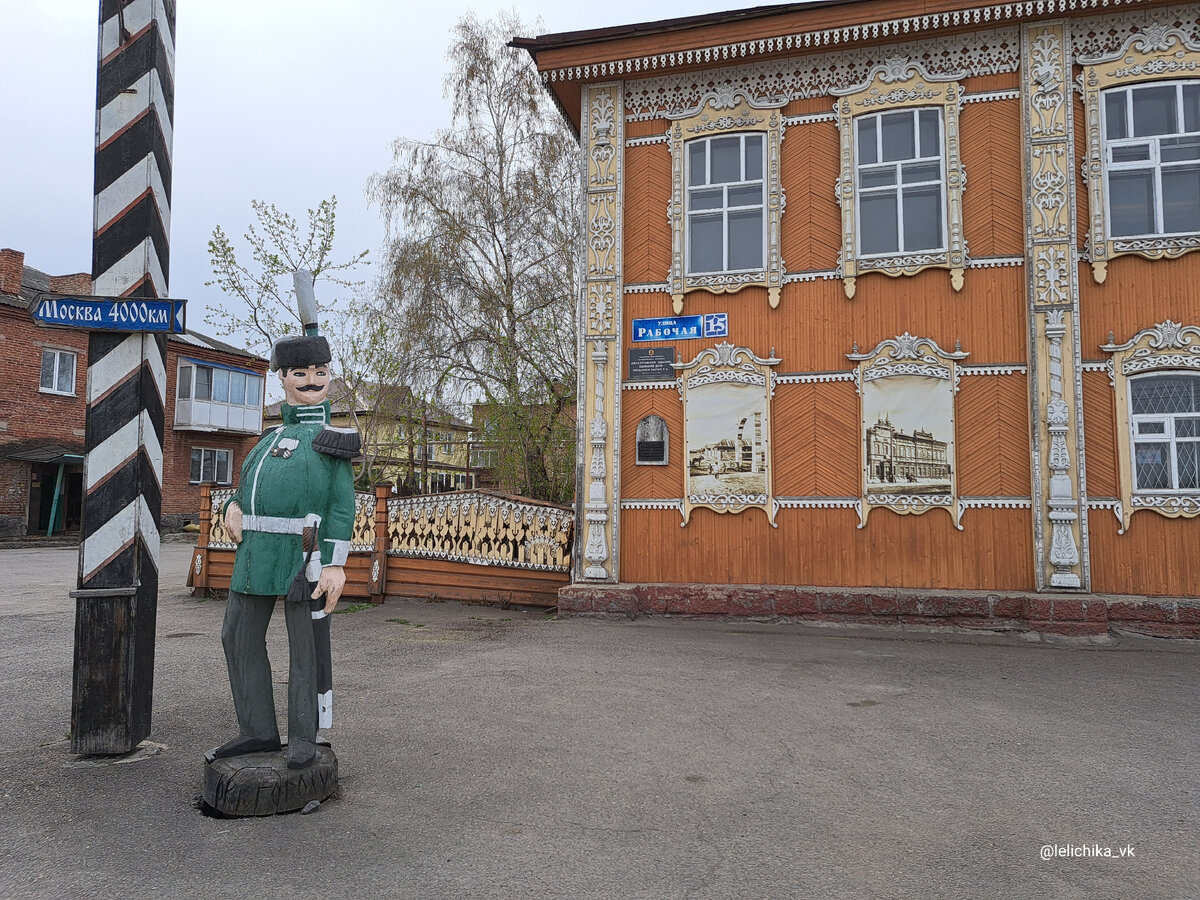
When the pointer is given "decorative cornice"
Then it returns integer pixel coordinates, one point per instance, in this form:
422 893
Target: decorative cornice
1013 369
848 35
649 385
815 377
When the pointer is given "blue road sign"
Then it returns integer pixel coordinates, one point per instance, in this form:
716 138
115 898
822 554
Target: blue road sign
678 328
113 314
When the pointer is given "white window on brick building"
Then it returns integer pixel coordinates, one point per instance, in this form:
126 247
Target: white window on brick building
211 397
58 372
211 466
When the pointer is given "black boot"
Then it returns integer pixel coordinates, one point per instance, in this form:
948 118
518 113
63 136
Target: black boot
300 753
241 745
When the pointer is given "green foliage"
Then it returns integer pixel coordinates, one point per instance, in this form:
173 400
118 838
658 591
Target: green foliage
354 607
264 306
482 262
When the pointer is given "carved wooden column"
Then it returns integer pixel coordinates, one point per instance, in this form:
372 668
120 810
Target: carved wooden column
1052 267
603 139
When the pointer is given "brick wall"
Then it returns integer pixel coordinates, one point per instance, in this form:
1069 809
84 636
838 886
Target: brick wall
29 417
26 413
12 268
181 499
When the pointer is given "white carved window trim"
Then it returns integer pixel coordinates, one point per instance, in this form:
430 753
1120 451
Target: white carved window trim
1157 53
1162 349
896 85
909 356
719 113
728 364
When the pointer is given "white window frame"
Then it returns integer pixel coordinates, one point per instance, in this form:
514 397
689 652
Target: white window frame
893 87
59 354
1152 57
1168 436
898 188
216 452
725 114
724 210
1153 162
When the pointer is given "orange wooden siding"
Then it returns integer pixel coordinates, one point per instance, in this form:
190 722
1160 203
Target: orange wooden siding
1099 436
811 228
815 440
815 325
993 217
647 235
1155 557
1138 293
651 481
824 547
992 435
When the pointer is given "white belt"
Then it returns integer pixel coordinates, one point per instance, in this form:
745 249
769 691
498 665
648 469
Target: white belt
280 524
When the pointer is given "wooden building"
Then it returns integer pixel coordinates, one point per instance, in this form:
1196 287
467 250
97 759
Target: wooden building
973 222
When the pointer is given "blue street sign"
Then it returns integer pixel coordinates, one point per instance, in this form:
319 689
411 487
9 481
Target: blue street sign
716 325
113 314
678 328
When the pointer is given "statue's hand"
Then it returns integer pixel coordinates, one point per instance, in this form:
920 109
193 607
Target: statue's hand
331 582
233 521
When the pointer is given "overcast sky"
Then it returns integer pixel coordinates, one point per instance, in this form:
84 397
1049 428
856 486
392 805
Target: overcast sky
287 101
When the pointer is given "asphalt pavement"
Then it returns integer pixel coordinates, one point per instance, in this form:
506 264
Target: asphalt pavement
503 753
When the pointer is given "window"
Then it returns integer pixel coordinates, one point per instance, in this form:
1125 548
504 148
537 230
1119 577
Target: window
726 196
58 372
725 204
448 443
1152 159
210 397
1143 149
1165 420
899 182
211 466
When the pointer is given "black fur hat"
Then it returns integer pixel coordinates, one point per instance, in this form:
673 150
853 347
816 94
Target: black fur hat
299 351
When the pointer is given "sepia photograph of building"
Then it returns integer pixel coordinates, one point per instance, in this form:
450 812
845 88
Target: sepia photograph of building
908 435
727 442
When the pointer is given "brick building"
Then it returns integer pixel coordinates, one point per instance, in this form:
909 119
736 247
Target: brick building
43 411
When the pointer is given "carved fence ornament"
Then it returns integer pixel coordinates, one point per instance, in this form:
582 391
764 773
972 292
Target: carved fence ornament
1167 346
362 538
1157 52
726 393
898 83
219 537
907 387
726 111
482 528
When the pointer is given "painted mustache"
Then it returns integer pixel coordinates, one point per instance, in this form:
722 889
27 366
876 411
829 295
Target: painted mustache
311 388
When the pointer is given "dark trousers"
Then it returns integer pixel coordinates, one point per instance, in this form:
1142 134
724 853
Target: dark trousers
244 636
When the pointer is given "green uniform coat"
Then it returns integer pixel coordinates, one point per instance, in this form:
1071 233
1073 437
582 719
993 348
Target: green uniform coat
283 477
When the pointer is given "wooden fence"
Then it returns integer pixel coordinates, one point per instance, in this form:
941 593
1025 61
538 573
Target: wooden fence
477 546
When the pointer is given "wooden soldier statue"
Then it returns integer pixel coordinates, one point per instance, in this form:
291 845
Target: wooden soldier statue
296 486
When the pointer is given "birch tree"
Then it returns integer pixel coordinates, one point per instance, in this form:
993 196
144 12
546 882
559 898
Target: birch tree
481 263
263 306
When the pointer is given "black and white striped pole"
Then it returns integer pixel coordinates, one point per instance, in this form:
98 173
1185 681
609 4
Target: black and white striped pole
116 603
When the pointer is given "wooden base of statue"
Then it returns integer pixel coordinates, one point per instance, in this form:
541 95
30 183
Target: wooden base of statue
261 784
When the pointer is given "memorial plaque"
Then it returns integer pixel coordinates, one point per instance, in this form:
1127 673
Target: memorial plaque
651 364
